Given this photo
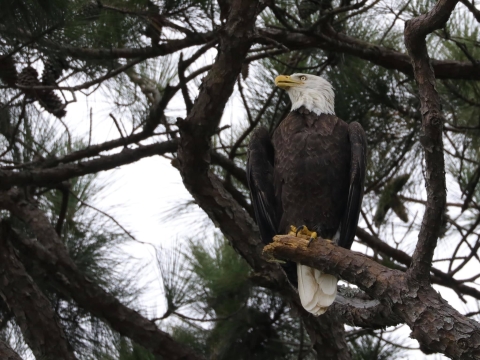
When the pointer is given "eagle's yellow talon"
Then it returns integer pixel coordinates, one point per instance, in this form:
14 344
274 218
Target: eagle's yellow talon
293 230
313 236
303 230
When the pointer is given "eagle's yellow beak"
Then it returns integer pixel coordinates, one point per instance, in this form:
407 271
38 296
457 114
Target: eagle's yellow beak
285 82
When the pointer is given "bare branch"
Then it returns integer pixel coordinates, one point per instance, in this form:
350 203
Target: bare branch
47 177
166 48
64 189
472 8
416 31
7 353
87 84
439 277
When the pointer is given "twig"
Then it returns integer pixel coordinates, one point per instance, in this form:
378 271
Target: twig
65 190
118 128
90 128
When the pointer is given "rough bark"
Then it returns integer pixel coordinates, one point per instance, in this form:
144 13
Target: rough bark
33 312
415 33
436 325
7 353
193 154
357 311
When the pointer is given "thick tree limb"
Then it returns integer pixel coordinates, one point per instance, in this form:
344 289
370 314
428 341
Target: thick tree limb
330 41
53 257
435 324
166 48
33 312
47 177
355 311
200 125
415 33
327 335
389 59
7 353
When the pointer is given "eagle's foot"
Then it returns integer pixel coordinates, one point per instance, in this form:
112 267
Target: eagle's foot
303 230
313 236
293 230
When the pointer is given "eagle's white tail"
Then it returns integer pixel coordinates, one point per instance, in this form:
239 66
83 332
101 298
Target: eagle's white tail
317 290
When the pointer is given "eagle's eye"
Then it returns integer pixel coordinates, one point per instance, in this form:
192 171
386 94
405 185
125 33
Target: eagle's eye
303 78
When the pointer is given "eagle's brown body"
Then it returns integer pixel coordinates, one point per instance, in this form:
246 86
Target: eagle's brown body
311 171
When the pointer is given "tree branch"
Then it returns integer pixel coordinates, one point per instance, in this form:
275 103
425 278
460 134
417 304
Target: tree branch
415 33
355 311
166 48
387 58
47 177
472 8
7 353
417 305
439 277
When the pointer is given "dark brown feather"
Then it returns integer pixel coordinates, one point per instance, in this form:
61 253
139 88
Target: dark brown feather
358 146
260 181
312 173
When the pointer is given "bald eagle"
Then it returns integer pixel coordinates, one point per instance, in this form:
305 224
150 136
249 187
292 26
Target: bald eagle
308 177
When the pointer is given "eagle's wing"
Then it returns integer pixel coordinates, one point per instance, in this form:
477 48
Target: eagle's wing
260 180
358 165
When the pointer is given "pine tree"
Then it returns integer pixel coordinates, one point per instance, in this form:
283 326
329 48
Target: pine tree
163 71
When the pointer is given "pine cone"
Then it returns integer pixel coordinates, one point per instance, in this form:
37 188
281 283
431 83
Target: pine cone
53 69
52 103
28 78
47 98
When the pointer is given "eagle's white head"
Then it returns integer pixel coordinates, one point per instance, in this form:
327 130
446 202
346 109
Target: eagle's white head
313 92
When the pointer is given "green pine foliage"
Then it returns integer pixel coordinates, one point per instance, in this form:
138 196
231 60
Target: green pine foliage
93 243
389 200
227 316
370 347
